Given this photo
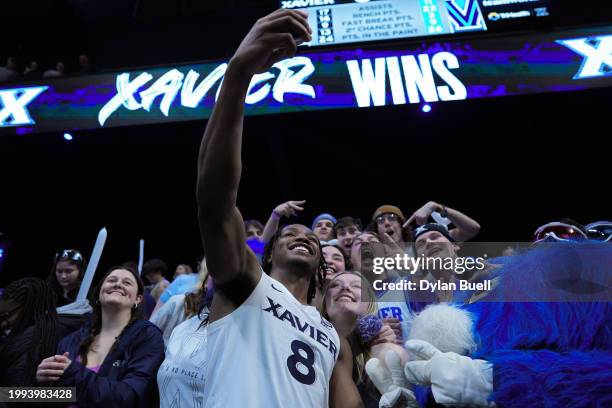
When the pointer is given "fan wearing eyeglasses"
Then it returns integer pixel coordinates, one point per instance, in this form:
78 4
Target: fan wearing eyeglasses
387 223
66 275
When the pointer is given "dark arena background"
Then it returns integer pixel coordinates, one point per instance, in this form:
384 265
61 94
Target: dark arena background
513 156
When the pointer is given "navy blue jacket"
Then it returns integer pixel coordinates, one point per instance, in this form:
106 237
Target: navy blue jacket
128 375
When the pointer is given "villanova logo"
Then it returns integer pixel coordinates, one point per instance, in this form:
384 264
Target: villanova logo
465 15
14 105
597 54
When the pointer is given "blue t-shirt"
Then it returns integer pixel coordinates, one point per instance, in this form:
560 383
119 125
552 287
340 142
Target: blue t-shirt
181 285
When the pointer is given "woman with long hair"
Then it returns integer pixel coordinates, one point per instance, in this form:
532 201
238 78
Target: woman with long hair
336 262
29 330
349 297
66 275
113 360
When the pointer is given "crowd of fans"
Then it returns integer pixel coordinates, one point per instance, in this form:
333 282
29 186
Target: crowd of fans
122 335
215 338
15 70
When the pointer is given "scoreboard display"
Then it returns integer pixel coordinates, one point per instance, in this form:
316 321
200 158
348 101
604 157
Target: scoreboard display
358 21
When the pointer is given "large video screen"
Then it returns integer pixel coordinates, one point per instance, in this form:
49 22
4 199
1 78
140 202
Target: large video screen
316 79
358 21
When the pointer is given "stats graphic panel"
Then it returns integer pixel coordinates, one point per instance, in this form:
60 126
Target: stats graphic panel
353 21
362 21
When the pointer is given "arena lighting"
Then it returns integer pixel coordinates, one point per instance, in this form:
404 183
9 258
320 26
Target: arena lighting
68 136
1 253
426 108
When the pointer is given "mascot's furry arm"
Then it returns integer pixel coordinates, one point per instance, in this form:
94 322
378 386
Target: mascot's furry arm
546 354
556 353
563 363
546 378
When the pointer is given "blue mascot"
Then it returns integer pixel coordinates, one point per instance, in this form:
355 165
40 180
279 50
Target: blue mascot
541 338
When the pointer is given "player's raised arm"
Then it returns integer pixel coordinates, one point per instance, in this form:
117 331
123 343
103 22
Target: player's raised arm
272 38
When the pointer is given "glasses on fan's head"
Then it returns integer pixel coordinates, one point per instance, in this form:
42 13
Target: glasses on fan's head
71 254
600 231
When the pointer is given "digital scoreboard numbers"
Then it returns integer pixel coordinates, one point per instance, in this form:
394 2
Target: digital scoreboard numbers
325 26
355 21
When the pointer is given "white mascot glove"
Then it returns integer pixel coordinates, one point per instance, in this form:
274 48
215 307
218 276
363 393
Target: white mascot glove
454 379
390 382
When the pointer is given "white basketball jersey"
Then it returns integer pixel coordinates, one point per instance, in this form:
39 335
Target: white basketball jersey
181 377
272 351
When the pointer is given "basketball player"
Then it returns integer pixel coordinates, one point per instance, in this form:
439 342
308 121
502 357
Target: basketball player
265 347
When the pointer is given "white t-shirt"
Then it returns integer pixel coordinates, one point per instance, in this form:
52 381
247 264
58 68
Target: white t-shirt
170 315
270 352
394 304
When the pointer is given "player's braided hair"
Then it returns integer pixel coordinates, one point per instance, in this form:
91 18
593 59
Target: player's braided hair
317 280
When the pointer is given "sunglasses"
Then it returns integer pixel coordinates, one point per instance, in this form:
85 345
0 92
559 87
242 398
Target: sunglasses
558 231
71 254
600 231
389 217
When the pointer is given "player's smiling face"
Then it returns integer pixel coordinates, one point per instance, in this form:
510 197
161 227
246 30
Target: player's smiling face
297 243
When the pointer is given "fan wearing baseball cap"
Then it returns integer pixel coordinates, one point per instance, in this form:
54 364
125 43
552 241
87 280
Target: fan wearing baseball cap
387 221
434 240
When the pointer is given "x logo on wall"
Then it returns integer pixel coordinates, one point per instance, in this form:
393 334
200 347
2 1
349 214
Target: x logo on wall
14 105
597 53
